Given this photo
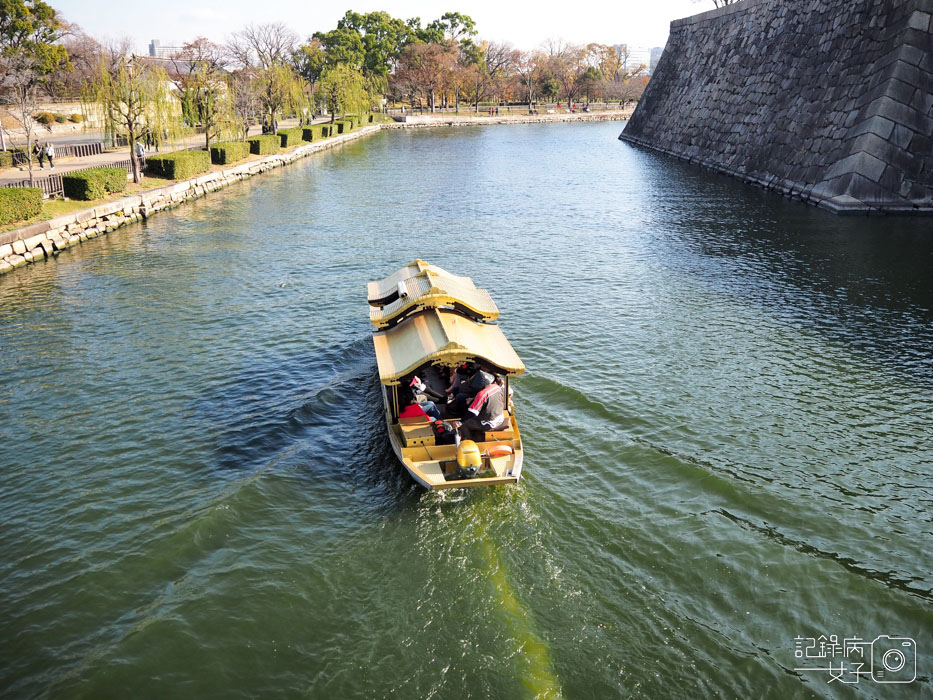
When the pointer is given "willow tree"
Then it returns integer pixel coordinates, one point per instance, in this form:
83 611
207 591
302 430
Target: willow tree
198 71
346 90
132 96
278 89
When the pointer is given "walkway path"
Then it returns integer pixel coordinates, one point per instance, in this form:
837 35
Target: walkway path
65 165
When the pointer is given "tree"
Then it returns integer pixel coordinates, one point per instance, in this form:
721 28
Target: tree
264 45
424 70
264 54
345 90
310 61
28 57
343 46
198 72
567 65
452 27
84 52
132 96
383 37
528 68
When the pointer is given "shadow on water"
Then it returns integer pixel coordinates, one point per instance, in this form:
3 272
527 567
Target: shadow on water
319 413
805 266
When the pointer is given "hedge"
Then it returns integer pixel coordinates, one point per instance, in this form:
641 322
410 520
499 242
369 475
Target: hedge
95 183
343 126
316 132
264 145
6 159
19 203
229 152
290 137
179 165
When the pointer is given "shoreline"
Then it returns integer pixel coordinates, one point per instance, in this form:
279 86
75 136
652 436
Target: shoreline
44 239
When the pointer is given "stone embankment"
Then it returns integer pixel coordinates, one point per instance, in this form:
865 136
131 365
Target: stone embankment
39 241
416 120
828 101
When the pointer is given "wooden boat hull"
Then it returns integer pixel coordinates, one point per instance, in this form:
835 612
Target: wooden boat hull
426 462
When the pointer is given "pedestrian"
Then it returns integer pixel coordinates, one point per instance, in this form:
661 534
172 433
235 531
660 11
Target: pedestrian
39 152
140 150
50 154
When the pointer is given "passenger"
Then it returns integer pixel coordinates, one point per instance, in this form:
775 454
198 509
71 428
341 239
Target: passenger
479 380
422 394
486 412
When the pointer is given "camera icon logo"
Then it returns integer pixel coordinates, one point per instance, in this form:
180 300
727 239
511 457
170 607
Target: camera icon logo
893 659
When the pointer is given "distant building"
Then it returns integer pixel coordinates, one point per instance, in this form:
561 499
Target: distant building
638 56
156 50
655 57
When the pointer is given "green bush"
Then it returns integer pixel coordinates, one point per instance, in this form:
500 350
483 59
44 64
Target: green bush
21 156
19 204
342 126
264 145
229 152
179 165
290 137
60 118
96 183
316 132
76 118
45 118
114 179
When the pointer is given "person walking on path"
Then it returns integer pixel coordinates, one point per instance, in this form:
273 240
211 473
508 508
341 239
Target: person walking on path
50 154
39 153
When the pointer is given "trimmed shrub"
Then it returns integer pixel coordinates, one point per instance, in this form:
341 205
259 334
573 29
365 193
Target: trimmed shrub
45 118
76 118
229 152
114 179
61 118
290 137
264 145
95 183
316 132
179 165
19 204
18 155
343 126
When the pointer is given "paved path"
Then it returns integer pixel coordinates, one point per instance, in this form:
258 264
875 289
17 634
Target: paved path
64 165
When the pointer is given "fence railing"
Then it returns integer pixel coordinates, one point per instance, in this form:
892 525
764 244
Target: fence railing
75 150
52 186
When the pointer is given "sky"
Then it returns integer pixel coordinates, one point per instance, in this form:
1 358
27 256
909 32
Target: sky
524 24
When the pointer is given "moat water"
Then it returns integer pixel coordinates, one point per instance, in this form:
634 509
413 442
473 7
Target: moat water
727 414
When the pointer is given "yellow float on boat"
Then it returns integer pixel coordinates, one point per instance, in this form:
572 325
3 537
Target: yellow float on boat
428 322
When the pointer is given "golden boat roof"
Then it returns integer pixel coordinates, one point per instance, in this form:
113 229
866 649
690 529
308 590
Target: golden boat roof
384 290
437 335
429 289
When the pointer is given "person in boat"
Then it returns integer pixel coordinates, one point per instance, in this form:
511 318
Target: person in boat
473 380
486 412
425 396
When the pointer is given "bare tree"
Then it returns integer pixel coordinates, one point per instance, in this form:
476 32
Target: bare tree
263 45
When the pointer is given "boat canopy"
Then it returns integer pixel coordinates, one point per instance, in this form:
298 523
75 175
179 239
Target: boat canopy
436 335
430 289
387 290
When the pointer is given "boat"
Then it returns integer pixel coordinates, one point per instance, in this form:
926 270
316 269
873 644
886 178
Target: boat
429 324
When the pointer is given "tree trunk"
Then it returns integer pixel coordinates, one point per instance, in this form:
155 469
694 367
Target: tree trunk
134 161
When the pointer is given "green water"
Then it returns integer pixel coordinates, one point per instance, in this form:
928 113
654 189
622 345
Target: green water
727 423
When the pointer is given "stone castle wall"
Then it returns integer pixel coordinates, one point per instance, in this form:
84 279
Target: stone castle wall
830 101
